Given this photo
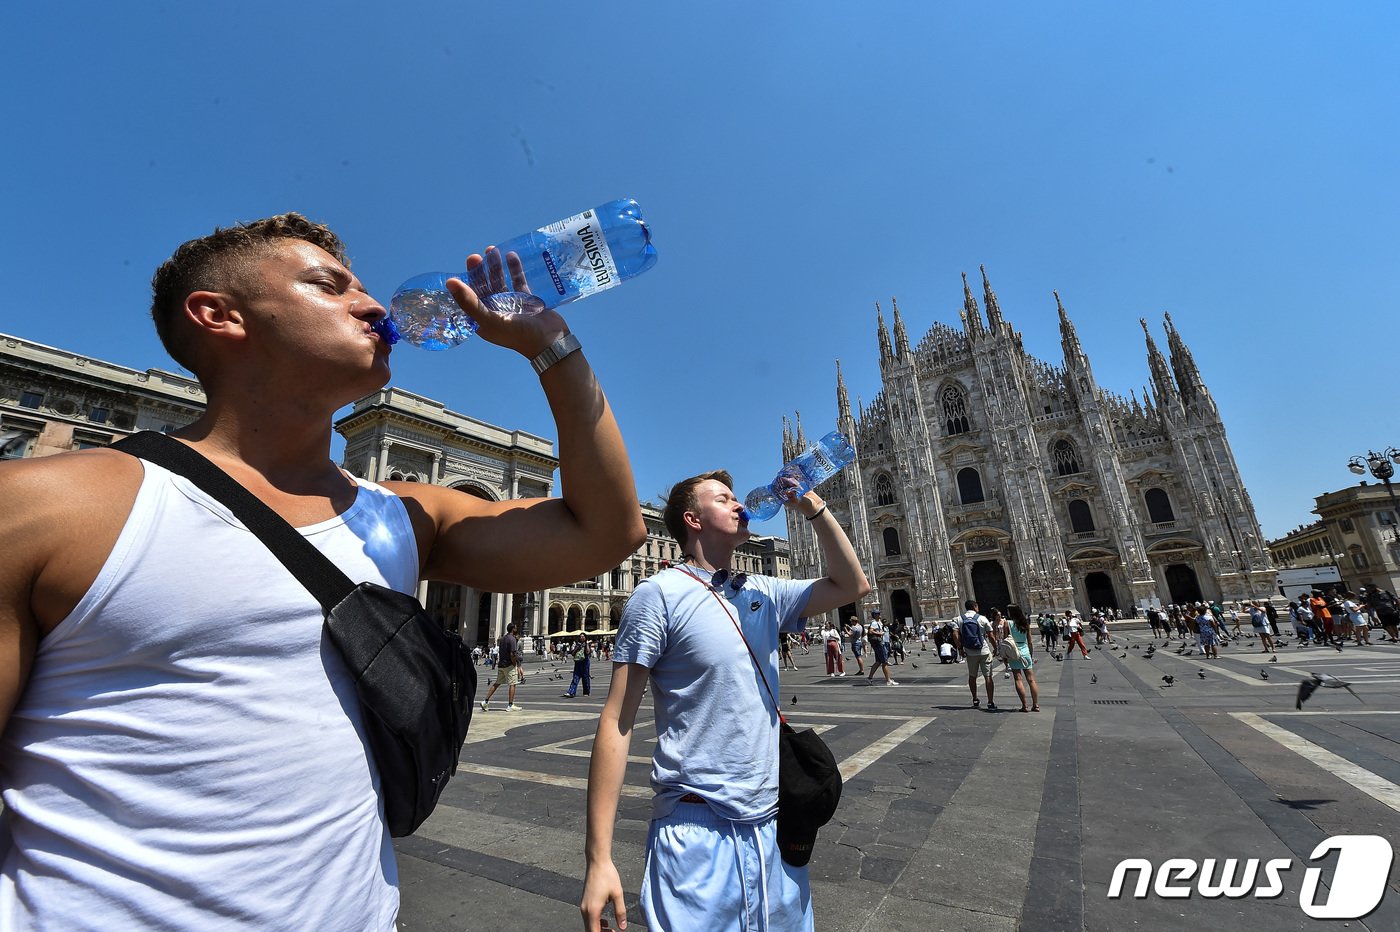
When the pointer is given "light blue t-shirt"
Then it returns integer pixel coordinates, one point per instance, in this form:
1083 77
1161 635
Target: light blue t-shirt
716 727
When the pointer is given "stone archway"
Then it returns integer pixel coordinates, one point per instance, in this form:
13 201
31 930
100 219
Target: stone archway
902 607
1182 584
1098 589
989 586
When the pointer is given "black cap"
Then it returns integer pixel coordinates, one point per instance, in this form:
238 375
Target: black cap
809 789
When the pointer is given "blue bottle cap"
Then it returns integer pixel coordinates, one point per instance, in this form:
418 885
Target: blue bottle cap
386 330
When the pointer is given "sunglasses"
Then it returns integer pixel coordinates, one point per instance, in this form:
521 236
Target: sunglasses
718 580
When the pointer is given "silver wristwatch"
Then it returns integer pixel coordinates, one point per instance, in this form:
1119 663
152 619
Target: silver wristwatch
554 352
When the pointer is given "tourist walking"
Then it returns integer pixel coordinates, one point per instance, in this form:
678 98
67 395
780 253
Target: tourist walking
879 646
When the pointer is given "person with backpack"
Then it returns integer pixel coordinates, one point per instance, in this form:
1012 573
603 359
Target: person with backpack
973 636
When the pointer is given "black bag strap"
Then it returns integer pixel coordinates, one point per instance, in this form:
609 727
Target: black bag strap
313 569
777 706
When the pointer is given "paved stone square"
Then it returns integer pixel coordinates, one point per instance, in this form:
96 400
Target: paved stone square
955 818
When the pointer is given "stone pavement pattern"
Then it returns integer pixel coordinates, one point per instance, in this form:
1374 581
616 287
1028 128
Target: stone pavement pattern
964 819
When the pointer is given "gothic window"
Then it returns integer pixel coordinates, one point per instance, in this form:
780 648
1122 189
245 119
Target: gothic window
884 490
1081 519
1065 457
891 542
970 486
955 411
1159 507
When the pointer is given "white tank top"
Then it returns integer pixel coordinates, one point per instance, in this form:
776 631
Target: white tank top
187 753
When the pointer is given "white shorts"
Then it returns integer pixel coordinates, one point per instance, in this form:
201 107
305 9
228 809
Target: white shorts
706 873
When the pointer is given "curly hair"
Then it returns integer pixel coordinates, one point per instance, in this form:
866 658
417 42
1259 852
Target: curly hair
217 262
682 499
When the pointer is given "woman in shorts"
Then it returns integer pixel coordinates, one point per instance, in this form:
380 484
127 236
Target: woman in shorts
1021 667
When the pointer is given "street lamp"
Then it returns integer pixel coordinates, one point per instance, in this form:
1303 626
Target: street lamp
1379 465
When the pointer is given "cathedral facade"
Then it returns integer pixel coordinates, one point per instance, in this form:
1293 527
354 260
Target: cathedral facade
984 472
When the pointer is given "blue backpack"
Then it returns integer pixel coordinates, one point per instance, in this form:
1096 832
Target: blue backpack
971 633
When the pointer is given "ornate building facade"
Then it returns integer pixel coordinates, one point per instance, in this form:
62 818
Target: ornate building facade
982 471
53 400
1357 535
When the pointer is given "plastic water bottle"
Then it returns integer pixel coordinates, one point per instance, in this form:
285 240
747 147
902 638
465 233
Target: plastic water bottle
819 462
564 261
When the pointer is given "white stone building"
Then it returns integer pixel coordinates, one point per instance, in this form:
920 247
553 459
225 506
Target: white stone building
984 472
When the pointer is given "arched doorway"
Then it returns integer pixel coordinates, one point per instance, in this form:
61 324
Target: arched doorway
989 586
901 607
1182 584
556 618
1099 590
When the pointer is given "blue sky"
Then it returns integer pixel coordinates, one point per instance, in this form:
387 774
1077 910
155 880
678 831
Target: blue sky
1233 164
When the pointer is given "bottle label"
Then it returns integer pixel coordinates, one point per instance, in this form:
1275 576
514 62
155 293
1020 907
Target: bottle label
577 256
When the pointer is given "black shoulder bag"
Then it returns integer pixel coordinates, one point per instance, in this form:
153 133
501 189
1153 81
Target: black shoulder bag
415 682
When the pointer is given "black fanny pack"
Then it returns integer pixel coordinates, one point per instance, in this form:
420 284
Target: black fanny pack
415 681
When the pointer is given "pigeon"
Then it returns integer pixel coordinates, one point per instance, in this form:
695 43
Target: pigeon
1264 674
1273 660
1339 647
1168 680
1094 678
1146 656
794 700
1201 674
1307 687
914 665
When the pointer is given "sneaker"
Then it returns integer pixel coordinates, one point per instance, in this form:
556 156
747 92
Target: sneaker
512 708
991 707
483 707
976 703
840 674
892 683
567 696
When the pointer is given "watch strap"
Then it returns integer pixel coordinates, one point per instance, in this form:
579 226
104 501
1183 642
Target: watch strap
554 352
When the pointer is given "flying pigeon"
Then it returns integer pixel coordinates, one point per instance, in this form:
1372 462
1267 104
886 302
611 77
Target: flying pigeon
1169 680
1307 687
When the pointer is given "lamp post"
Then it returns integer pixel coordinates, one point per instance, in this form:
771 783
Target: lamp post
1380 466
